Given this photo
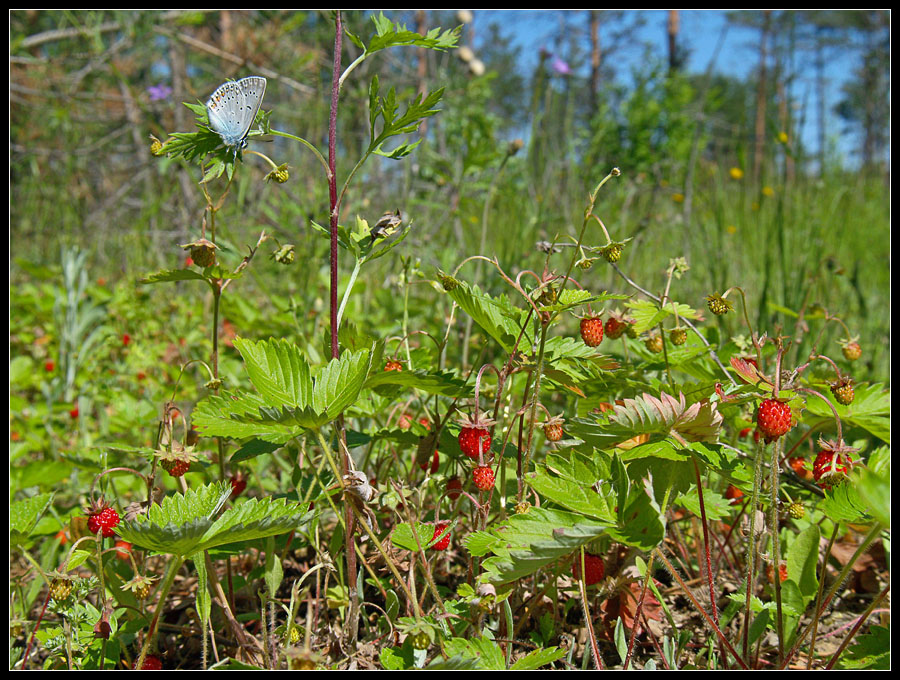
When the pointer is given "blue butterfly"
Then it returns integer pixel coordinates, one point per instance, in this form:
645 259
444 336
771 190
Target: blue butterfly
232 108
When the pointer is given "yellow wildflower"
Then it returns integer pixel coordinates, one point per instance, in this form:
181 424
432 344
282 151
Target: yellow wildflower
736 173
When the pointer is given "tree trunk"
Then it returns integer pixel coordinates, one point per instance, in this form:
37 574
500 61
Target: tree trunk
672 34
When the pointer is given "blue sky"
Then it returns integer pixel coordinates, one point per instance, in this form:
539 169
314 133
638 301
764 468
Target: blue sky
700 30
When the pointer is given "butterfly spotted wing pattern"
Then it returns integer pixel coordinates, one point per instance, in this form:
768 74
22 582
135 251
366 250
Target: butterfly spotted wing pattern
232 108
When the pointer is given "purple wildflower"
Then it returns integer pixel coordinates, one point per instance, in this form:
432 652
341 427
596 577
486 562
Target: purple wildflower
561 67
159 92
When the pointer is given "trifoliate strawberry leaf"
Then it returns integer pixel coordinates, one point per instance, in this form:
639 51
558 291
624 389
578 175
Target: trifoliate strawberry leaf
536 538
240 416
495 316
185 524
278 371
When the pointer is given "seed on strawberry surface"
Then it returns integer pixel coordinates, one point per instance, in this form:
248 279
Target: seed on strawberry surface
591 328
594 570
483 478
773 418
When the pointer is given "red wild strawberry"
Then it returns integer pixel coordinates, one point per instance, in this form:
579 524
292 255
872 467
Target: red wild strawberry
798 465
594 570
592 330
833 464
104 519
151 663
49 366
745 433
782 572
238 484
734 494
454 486
773 418
483 478
475 436
73 413
615 327
393 366
126 339
176 468
444 543
123 550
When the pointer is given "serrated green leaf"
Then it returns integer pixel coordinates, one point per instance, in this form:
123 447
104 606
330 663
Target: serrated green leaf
278 371
24 515
185 524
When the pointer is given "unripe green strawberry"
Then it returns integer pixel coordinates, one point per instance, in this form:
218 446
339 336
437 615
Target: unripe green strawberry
612 252
591 328
483 478
654 343
203 252
678 336
796 510
60 589
843 391
718 305
852 351
420 640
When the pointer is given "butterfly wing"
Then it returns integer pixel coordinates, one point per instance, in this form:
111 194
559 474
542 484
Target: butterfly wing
232 108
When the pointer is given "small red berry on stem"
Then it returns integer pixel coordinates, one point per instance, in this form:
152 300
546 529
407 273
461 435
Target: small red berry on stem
475 436
553 429
832 465
615 327
773 417
454 487
594 570
393 366
103 519
444 543
592 330
734 494
483 478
